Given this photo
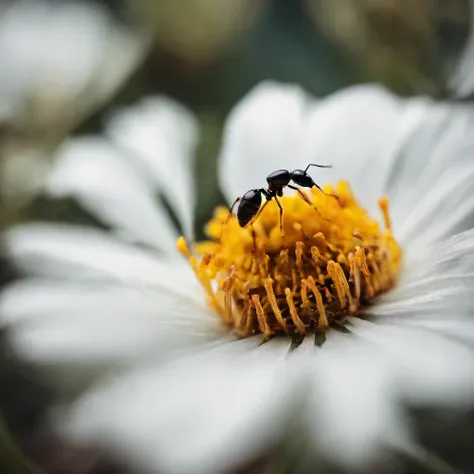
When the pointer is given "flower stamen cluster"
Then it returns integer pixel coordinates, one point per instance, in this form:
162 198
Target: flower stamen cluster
329 264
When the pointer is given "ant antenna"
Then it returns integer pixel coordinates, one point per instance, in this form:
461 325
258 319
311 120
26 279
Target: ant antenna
281 222
317 166
335 196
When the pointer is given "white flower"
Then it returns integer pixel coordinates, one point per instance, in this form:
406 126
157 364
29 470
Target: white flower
60 56
60 61
171 388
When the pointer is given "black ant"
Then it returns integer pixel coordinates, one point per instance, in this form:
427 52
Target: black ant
250 203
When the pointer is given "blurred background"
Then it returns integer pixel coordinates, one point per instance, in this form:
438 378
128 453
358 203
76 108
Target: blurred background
65 65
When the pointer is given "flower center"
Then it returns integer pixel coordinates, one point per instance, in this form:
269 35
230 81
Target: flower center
331 261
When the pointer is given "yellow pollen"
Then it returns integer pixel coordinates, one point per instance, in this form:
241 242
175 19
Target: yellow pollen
332 260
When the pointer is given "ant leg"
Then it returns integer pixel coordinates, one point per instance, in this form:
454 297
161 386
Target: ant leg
326 194
281 223
306 199
228 216
317 166
255 217
233 205
254 237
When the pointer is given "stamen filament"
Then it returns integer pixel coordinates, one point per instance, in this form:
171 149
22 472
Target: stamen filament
262 320
273 303
300 327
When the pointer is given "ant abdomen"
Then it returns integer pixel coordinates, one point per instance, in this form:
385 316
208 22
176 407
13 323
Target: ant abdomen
249 206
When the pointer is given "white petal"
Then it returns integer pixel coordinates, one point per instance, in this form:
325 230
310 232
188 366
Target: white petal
206 414
80 325
426 325
76 334
278 346
111 303
262 134
359 130
431 187
454 327
426 368
81 253
435 290
416 151
93 171
352 411
161 136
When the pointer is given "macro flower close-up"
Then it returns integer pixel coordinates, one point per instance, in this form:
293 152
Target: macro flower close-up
305 323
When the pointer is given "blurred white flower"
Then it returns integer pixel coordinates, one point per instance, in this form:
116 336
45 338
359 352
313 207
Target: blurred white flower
60 62
170 387
60 59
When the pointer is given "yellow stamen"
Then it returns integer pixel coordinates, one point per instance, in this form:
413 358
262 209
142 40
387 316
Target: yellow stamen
334 263
306 303
262 318
227 286
383 204
299 252
323 320
183 247
300 327
274 304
